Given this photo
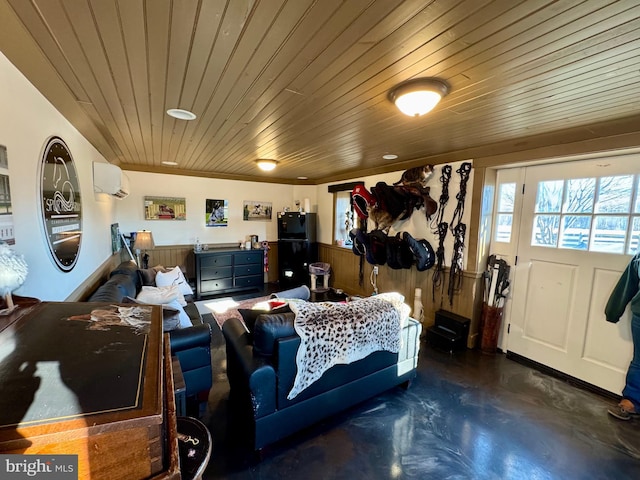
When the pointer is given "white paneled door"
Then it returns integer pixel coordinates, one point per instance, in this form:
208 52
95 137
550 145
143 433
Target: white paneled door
579 223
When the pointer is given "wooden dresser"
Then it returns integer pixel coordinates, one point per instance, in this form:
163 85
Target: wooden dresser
94 380
225 270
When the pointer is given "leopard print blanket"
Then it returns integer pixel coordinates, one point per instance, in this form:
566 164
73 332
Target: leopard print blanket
339 333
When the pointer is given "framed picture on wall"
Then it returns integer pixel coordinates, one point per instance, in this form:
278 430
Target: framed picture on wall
115 238
256 210
6 210
216 213
165 208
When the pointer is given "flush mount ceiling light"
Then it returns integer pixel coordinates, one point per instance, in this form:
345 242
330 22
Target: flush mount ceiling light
181 114
171 164
418 96
266 164
389 156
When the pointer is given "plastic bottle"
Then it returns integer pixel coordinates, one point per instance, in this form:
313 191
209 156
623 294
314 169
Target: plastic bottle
198 245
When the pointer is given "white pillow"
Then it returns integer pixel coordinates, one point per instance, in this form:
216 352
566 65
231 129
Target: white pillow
161 295
174 277
185 321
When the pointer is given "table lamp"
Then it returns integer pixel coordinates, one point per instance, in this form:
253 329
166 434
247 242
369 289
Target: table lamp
143 242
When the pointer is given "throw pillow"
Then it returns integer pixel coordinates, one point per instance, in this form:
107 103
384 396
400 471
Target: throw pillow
161 295
165 296
185 321
170 316
174 277
147 276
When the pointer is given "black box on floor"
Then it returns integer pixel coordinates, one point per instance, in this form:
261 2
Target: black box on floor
450 331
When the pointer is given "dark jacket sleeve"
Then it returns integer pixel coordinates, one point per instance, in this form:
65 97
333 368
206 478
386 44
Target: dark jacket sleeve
625 291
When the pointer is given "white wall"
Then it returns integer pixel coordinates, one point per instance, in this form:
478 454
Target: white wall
417 225
27 121
196 191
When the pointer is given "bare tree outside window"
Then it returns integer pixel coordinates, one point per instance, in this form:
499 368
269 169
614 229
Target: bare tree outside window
587 214
504 217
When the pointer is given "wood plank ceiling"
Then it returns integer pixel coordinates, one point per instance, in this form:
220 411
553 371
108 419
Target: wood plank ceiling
305 82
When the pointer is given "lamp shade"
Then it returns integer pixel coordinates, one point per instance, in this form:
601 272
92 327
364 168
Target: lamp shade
266 164
144 240
418 96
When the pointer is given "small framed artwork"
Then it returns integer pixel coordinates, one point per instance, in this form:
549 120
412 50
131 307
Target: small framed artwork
115 238
217 213
6 210
165 208
255 210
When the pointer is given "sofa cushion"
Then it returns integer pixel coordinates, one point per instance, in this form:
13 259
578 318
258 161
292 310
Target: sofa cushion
116 288
147 277
125 268
268 328
250 315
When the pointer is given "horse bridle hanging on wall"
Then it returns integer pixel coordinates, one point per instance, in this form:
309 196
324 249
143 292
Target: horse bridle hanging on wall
459 231
441 228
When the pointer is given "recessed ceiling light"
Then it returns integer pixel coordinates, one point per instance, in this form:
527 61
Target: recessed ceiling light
303 178
181 114
266 164
389 156
172 164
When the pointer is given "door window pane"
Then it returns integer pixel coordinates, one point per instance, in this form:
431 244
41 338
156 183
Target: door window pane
599 214
634 242
545 230
609 234
506 197
503 230
549 196
575 232
581 193
504 217
614 194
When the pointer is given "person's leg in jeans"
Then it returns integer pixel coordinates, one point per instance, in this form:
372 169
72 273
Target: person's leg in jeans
632 388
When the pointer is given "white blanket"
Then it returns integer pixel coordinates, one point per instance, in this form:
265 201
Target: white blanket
340 333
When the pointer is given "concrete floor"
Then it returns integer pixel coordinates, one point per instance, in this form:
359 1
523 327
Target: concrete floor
466 416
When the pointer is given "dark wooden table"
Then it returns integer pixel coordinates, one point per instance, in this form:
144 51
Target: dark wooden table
88 379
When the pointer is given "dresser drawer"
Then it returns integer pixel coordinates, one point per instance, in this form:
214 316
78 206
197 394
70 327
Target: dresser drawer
249 281
214 273
251 256
216 261
242 270
215 285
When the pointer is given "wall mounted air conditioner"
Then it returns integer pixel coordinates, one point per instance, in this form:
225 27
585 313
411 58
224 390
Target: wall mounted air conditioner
110 179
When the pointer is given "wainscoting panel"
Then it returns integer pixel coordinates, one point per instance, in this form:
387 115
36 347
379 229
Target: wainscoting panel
172 255
467 299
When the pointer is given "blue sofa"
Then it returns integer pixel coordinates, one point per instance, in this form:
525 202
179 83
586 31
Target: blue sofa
191 345
261 368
